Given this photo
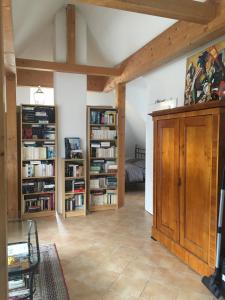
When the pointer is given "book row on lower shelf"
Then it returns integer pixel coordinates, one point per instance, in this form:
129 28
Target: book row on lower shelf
39 203
103 182
46 132
38 169
38 150
74 186
103 198
38 186
75 202
98 150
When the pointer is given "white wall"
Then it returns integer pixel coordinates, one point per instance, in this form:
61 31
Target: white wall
22 95
96 98
70 99
40 46
136 113
165 82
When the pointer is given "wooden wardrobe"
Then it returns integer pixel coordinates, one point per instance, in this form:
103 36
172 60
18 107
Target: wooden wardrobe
189 153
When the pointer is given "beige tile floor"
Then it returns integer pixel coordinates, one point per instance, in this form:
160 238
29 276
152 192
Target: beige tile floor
110 256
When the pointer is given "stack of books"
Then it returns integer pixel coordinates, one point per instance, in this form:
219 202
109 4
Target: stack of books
111 182
103 117
38 169
38 114
31 150
74 186
103 149
102 198
102 134
75 202
38 186
98 183
39 132
39 203
73 170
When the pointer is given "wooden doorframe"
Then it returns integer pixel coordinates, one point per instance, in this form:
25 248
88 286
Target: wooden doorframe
120 104
3 196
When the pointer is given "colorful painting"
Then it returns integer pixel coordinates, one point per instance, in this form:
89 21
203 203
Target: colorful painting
205 75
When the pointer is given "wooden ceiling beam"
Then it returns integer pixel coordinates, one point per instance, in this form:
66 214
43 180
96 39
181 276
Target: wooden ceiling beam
187 10
34 78
71 33
176 41
9 52
39 65
96 83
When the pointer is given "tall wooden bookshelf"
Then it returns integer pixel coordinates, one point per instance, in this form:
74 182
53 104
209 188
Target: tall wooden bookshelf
102 176
74 187
38 163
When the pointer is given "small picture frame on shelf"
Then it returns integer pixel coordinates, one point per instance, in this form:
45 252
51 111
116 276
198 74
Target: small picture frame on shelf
73 148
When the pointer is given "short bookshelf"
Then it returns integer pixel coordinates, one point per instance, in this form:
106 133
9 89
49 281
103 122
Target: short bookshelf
74 187
102 155
37 148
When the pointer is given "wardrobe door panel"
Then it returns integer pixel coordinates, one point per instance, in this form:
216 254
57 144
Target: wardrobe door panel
167 178
195 190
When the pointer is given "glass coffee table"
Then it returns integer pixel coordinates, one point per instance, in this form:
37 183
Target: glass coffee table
23 261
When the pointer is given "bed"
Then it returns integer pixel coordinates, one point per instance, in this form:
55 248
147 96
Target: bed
135 168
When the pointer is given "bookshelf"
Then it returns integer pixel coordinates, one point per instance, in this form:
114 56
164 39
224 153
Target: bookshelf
38 152
74 187
102 175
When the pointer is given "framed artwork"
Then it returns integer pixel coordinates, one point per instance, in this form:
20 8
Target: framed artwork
73 147
205 75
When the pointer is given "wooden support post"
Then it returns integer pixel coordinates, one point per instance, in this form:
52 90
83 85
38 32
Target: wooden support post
11 146
120 104
3 196
71 34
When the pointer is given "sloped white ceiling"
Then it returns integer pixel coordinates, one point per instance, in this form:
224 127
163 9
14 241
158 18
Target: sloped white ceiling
119 33
30 17
115 34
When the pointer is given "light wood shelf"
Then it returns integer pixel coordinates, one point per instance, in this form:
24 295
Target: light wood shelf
71 178
51 124
38 177
42 213
90 158
40 159
74 213
103 174
38 193
102 207
38 140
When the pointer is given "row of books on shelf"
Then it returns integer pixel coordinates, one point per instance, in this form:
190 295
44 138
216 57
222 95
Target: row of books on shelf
103 117
73 170
105 133
39 203
38 169
31 150
103 166
101 198
38 186
103 182
38 114
39 132
74 186
75 202
99 152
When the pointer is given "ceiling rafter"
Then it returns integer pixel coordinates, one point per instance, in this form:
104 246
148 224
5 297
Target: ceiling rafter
187 10
177 40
